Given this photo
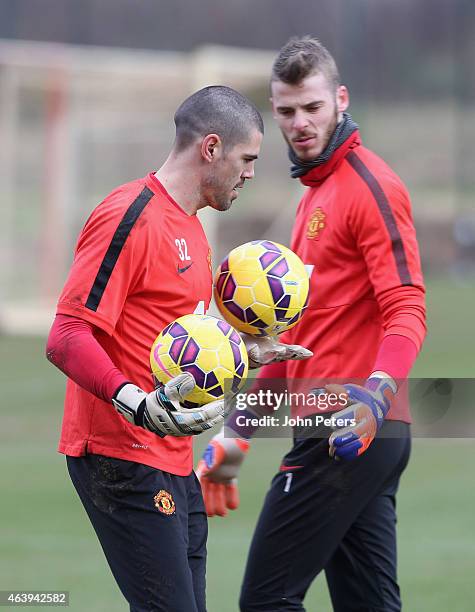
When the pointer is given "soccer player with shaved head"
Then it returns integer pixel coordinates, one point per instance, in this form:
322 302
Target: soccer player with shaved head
141 261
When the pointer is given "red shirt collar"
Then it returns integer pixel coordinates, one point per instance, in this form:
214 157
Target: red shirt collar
317 175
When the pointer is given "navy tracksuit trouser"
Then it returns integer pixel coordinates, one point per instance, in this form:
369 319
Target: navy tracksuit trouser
152 526
336 516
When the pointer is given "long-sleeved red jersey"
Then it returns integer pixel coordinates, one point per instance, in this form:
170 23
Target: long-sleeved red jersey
354 226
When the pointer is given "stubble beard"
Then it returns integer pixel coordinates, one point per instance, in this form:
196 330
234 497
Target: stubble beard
215 196
326 138
330 130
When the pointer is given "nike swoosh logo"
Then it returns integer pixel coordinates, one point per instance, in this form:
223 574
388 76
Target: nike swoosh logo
287 468
181 270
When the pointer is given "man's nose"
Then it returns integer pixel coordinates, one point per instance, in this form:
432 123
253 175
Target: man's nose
300 120
248 172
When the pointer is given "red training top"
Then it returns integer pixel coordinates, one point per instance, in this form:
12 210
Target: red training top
140 262
354 227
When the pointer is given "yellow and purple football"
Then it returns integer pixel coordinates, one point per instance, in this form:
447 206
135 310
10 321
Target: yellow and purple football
261 288
207 347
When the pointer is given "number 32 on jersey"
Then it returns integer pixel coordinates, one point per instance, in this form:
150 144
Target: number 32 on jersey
182 249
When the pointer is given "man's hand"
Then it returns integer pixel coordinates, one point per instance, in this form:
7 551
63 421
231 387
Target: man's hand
365 414
161 411
265 350
218 470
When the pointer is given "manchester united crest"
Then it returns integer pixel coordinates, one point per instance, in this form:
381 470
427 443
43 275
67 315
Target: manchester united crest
164 502
316 224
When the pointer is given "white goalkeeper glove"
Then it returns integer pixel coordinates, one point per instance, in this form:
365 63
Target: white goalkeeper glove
267 349
161 412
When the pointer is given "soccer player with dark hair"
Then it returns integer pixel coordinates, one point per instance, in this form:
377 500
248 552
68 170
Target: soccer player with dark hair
141 261
331 506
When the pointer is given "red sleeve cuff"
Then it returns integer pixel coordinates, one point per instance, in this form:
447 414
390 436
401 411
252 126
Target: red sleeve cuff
396 356
273 371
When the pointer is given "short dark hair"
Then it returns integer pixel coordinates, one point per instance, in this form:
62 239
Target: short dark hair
216 110
301 57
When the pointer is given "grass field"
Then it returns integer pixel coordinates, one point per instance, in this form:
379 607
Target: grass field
46 541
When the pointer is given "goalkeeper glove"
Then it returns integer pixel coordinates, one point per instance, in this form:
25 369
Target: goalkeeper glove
366 411
265 350
161 412
218 470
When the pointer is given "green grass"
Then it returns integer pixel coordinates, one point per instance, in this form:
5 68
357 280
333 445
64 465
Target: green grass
46 541
448 349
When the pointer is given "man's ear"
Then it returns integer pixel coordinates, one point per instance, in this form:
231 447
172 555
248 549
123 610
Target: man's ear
211 147
342 99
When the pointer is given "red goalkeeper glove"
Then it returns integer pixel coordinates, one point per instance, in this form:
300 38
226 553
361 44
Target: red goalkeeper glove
218 470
